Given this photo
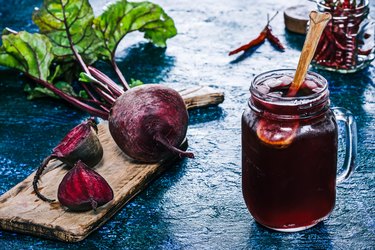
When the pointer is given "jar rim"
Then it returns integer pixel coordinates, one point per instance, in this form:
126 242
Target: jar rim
296 100
320 4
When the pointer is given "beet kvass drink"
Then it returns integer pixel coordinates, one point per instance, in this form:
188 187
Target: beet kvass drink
289 152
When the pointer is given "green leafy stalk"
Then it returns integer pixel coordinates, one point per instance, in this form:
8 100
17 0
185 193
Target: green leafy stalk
70 33
124 17
32 55
75 101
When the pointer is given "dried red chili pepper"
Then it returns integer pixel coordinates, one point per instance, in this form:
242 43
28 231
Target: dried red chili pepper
265 34
260 39
273 39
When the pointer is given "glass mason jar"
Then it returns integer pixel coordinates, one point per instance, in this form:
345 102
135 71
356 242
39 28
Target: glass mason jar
289 151
347 43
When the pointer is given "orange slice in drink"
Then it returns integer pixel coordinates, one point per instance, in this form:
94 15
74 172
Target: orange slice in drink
276 133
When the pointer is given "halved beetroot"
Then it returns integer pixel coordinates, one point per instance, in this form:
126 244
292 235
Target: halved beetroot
81 143
83 189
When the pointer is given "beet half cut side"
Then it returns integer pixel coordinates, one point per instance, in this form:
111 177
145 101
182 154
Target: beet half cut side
83 189
81 143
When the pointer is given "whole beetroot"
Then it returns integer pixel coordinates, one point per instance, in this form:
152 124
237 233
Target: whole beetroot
149 123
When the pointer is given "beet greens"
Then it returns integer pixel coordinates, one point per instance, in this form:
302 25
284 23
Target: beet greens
71 34
71 38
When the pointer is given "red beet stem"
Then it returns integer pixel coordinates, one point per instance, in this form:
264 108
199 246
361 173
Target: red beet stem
105 95
103 106
105 79
72 100
38 174
173 149
84 85
119 74
78 56
103 86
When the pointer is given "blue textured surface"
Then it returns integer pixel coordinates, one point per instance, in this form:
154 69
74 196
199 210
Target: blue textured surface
198 203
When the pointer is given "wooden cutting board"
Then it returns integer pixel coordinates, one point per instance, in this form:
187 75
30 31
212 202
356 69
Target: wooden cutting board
21 211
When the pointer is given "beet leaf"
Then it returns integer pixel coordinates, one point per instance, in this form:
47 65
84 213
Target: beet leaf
31 54
123 17
68 23
28 53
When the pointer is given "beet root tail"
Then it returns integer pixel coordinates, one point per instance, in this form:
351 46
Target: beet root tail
173 149
37 176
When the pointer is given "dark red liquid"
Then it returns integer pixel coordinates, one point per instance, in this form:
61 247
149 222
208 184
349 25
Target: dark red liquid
292 185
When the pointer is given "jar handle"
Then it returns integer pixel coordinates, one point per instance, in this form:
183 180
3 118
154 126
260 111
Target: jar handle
347 117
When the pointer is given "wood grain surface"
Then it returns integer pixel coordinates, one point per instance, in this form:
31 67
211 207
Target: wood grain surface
21 211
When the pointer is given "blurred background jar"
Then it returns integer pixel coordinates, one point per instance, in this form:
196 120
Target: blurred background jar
347 43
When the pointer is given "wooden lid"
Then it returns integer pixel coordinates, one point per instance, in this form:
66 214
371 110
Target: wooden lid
296 18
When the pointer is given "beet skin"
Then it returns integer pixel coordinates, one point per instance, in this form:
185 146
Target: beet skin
149 123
